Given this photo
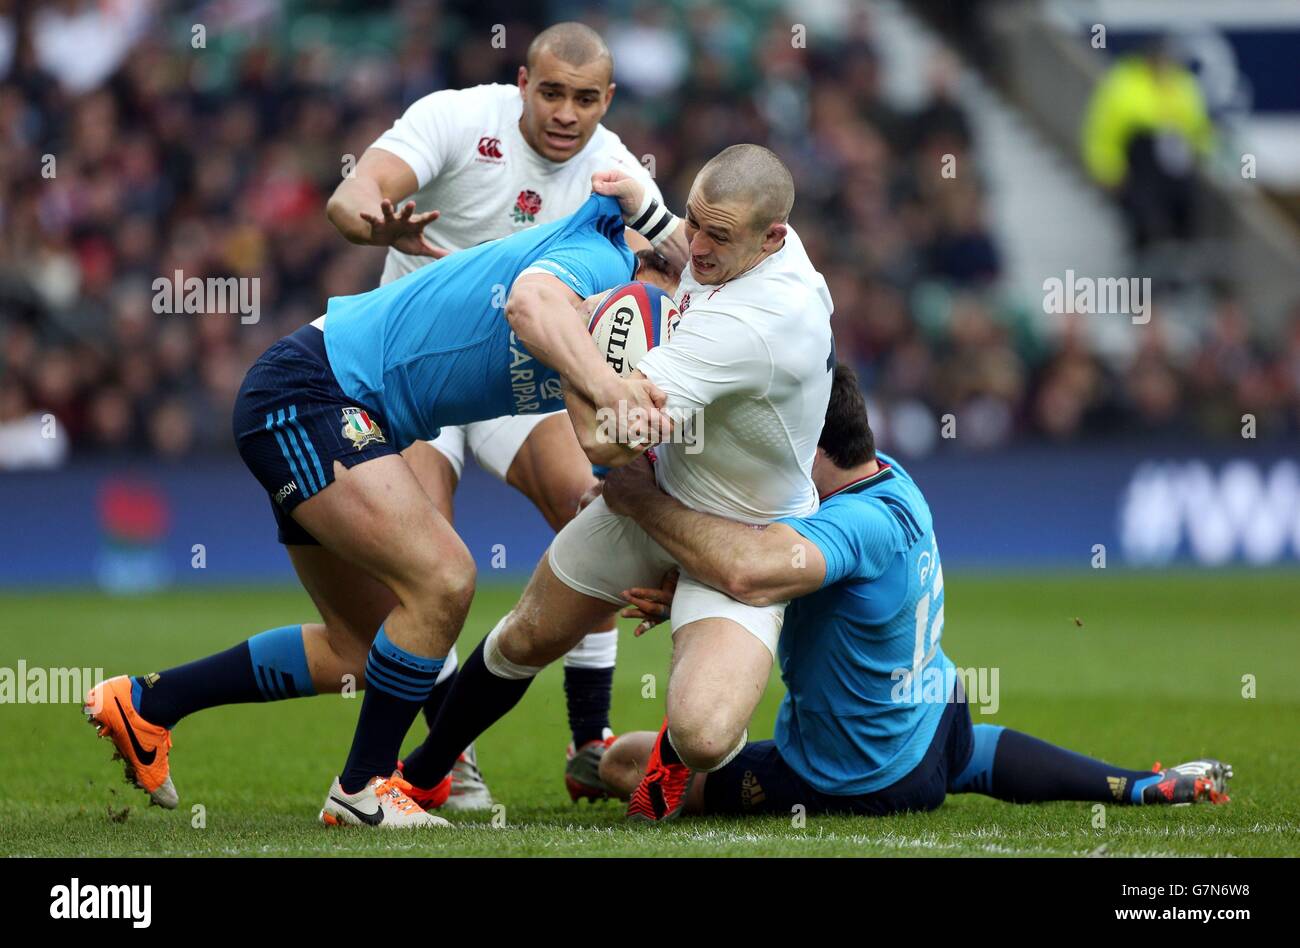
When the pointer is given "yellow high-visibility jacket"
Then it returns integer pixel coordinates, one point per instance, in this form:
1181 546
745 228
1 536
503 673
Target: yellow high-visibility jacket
1133 98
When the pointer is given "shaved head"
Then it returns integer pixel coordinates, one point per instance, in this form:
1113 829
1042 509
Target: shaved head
751 176
573 43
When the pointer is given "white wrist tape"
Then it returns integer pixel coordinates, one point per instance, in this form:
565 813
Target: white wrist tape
653 221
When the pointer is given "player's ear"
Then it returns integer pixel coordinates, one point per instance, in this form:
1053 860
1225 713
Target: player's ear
775 234
522 80
609 94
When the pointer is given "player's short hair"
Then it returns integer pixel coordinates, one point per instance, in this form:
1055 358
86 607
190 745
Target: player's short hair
574 43
752 175
654 262
846 435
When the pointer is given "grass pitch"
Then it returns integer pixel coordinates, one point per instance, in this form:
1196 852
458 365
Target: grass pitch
1155 671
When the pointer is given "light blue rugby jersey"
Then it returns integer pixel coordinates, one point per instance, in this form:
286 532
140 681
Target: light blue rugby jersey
866 676
434 348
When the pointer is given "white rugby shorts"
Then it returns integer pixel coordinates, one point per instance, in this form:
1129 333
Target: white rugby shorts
600 553
494 443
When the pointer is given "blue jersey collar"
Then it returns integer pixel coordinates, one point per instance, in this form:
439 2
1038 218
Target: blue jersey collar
885 473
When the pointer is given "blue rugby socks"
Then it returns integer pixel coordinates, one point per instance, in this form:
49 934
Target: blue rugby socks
398 683
270 666
1018 768
479 697
587 691
588 685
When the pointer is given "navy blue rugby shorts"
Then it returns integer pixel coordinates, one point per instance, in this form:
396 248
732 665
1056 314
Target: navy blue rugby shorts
758 780
292 421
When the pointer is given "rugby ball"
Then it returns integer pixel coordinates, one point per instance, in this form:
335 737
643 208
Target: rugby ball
630 321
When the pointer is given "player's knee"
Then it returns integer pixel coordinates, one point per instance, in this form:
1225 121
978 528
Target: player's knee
445 582
456 579
703 743
524 639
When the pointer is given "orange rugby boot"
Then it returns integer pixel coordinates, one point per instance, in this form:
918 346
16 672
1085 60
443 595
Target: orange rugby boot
141 746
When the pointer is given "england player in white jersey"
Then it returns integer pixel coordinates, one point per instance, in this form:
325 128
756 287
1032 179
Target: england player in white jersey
473 165
751 361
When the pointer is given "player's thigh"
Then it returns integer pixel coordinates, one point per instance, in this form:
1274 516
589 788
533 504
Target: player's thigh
333 475
548 467
600 554
722 659
694 601
352 605
592 560
719 672
437 467
378 517
550 618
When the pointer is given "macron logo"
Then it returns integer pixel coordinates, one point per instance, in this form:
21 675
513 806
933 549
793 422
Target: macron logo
103 901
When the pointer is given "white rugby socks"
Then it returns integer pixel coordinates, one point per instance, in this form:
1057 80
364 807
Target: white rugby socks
596 650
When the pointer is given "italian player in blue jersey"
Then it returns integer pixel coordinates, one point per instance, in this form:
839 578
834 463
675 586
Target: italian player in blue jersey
857 732
320 421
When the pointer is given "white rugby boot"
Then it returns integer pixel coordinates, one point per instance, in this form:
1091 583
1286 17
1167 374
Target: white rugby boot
380 803
468 789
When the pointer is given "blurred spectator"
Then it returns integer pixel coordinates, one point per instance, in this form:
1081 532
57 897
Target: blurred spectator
81 42
650 56
217 165
1145 127
28 439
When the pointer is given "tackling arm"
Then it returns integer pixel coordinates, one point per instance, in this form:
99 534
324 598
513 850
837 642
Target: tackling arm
758 565
543 313
599 448
541 310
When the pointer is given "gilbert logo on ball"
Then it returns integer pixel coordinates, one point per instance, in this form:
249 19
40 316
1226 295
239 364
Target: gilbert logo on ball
630 321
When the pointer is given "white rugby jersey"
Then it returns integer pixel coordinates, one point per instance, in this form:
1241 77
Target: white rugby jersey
755 356
473 165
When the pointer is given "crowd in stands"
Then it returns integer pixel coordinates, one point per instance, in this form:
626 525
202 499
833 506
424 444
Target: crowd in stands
156 155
